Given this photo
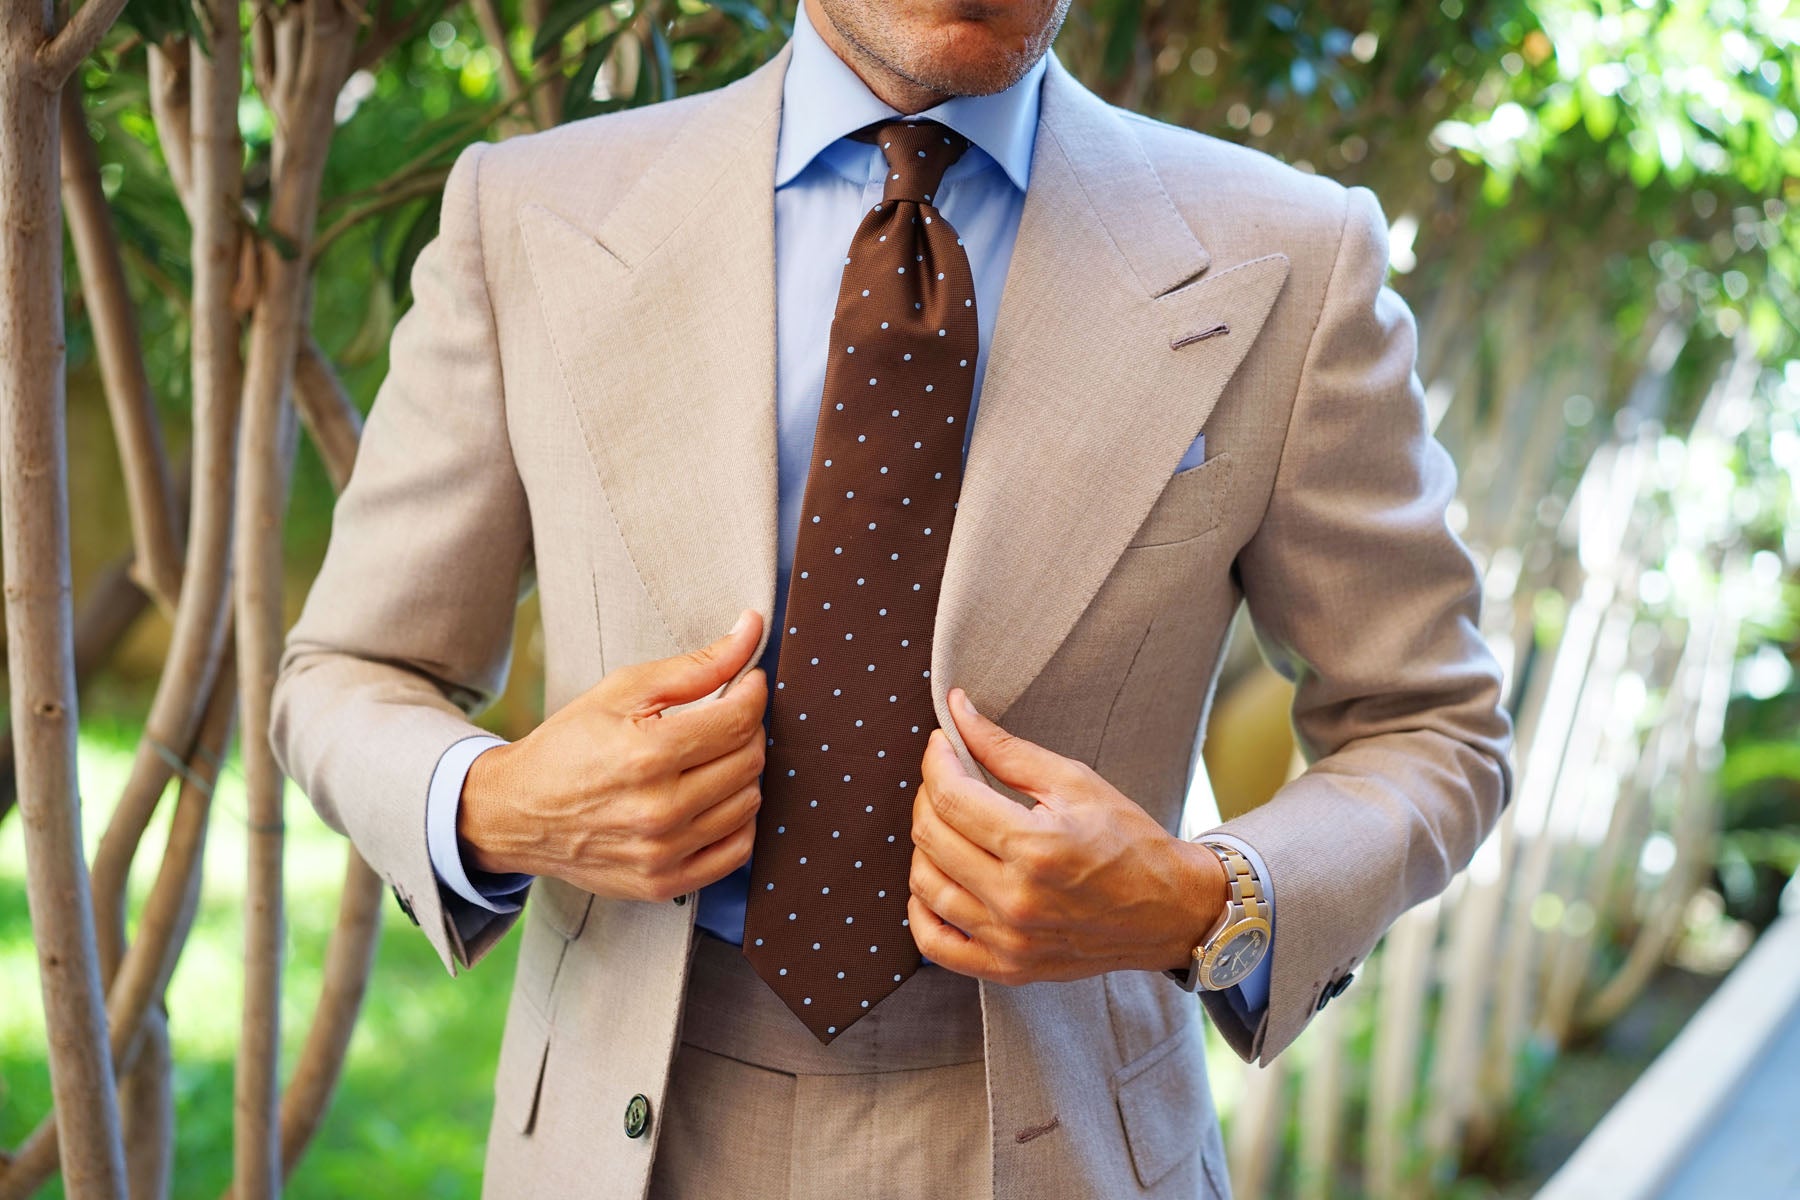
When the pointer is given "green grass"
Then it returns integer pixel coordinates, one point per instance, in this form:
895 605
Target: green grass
411 1113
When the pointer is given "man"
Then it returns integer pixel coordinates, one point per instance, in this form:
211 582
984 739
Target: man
1120 377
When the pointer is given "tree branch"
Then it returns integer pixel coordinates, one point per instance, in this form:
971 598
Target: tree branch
331 420
149 492
58 57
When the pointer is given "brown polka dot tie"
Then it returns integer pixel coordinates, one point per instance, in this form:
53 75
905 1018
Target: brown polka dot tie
851 709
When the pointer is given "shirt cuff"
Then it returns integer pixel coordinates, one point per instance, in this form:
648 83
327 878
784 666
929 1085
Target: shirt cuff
1249 998
494 892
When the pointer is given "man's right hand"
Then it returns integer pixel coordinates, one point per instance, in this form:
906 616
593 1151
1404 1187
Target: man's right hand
618 798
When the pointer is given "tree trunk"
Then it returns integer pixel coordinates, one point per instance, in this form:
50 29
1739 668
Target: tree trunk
307 80
34 542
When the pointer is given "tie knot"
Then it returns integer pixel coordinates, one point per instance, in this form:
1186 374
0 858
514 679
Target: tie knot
918 153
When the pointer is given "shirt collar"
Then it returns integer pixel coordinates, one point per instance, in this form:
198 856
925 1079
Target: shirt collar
822 100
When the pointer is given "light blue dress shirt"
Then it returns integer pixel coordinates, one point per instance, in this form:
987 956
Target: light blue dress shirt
824 182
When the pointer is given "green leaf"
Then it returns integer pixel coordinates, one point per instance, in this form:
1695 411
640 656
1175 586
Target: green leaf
418 235
157 20
744 13
578 97
665 70
562 17
1121 39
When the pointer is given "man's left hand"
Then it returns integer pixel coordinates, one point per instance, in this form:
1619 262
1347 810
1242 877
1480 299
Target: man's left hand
1081 883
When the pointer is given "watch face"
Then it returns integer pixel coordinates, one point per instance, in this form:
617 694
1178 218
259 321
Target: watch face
1237 958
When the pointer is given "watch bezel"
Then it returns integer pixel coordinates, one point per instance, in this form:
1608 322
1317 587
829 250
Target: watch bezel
1208 956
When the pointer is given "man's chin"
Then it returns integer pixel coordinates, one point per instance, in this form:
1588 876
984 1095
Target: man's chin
970 61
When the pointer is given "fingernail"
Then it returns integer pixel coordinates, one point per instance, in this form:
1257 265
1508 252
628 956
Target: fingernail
963 703
742 622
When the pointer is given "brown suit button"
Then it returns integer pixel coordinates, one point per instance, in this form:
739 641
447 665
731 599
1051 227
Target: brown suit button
637 1116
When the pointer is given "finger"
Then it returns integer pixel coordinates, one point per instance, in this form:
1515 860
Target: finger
946 945
946 897
966 804
705 731
1018 763
719 820
648 688
961 860
713 863
700 787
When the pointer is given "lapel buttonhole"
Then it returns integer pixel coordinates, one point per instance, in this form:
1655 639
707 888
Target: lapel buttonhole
1200 335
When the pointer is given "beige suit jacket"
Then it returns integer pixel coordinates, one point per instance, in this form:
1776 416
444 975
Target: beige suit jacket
584 391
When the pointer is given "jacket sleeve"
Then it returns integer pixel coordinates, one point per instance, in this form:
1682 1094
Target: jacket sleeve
407 632
1363 597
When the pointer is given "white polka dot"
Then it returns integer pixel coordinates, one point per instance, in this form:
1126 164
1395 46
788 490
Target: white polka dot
849 349
928 387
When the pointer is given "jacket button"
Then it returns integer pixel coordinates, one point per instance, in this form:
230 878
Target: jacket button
1337 989
404 906
637 1116
681 900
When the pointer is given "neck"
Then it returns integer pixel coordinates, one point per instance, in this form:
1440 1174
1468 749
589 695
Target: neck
889 86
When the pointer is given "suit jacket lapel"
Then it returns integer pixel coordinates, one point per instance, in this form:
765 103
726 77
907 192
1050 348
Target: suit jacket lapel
662 314
1094 384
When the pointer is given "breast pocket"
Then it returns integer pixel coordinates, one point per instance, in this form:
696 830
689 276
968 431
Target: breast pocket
1190 504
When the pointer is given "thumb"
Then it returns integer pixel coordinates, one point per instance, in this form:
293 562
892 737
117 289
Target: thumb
1013 760
697 673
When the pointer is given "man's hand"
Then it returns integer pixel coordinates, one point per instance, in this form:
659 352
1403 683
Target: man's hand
1083 882
620 799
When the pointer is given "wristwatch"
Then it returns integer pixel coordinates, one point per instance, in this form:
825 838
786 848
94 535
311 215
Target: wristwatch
1238 942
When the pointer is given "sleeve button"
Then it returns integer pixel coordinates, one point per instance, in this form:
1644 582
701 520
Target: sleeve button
637 1116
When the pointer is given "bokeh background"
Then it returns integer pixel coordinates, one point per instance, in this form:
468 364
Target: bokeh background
1591 207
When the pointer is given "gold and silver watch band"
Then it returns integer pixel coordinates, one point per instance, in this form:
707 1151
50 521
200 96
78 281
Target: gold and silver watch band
1245 912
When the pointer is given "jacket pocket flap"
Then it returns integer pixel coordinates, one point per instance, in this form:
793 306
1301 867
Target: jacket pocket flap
1156 1104
1189 505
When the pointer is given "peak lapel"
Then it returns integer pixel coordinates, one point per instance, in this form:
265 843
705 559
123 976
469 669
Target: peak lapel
1096 383
662 314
